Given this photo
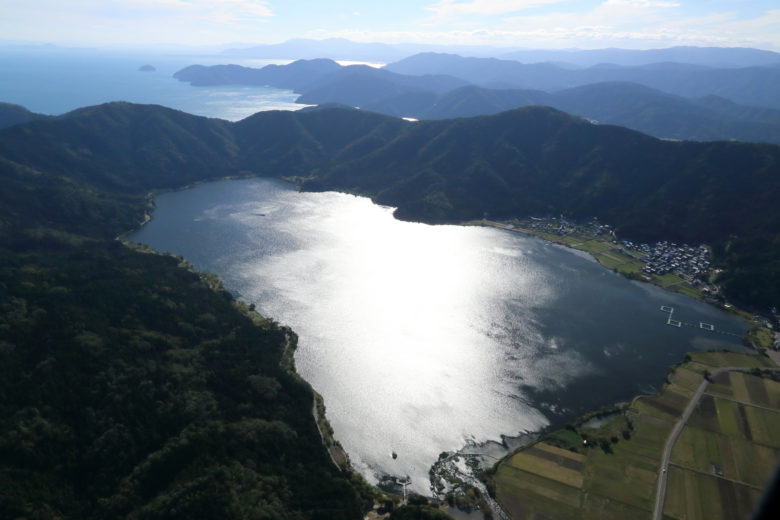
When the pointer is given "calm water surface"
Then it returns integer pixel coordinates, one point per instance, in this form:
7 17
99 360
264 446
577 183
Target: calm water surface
425 338
60 80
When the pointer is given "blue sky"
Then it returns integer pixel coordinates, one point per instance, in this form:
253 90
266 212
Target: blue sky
517 23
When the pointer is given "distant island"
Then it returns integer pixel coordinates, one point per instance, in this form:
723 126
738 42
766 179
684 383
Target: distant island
146 68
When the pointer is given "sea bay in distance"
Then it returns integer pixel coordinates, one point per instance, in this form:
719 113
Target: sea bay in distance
422 338
57 80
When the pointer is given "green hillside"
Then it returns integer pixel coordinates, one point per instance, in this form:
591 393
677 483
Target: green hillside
133 387
526 161
537 161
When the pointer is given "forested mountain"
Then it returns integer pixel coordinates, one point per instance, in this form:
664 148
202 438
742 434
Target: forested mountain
531 160
11 115
134 388
131 386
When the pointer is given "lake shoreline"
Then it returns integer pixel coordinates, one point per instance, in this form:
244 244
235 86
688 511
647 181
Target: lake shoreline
506 440
728 307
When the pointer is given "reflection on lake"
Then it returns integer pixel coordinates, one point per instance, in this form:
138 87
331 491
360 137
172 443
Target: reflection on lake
423 338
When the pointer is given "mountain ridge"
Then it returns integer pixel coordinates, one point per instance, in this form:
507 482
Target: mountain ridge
524 161
633 105
747 85
344 49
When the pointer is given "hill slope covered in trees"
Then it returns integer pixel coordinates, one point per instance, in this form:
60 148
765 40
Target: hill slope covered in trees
133 387
530 160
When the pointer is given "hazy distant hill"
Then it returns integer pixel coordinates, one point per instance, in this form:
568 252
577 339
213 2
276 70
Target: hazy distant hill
321 81
666 115
11 115
343 49
462 102
755 86
440 97
294 76
735 57
625 104
531 160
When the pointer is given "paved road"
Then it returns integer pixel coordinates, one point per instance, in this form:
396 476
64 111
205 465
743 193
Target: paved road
661 491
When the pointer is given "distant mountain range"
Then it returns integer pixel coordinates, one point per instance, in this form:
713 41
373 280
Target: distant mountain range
756 86
444 96
718 57
532 160
321 79
625 104
343 49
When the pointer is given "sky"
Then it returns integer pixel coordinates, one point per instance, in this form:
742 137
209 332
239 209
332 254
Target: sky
585 24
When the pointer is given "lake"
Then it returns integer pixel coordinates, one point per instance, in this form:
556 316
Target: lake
423 339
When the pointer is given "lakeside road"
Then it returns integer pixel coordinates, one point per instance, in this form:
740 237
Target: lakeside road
662 473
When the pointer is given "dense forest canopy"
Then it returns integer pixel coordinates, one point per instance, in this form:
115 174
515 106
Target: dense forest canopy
532 160
133 387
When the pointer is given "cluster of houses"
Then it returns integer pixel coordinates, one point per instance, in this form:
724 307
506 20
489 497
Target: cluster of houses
659 258
666 257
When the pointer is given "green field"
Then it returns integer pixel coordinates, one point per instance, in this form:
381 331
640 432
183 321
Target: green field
720 463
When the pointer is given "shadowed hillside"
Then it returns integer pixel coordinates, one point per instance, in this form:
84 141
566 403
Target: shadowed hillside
531 160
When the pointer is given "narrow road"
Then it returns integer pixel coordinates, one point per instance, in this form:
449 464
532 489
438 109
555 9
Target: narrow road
661 491
709 474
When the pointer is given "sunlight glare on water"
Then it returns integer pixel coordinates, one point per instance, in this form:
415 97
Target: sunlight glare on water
399 328
424 338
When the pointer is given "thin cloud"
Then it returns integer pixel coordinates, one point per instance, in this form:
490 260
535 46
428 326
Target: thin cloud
453 8
642 4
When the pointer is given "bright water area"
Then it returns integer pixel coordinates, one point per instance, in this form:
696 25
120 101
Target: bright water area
425 338
58 80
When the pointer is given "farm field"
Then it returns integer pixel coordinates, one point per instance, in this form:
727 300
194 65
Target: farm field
719 466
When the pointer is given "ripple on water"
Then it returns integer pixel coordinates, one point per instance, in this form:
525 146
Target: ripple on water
425 338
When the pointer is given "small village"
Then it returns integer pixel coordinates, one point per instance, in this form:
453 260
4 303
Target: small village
665 257
690 265
691 262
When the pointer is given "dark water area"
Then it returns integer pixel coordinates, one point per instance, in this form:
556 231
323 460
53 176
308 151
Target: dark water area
424 339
